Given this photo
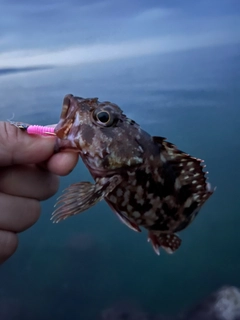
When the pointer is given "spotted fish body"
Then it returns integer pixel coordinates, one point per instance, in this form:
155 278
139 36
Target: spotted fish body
146 180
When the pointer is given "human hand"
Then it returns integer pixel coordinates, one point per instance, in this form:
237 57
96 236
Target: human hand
29 172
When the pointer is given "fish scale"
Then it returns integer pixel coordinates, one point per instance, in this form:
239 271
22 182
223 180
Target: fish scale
147 181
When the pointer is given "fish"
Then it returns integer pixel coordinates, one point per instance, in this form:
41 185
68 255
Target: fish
147 181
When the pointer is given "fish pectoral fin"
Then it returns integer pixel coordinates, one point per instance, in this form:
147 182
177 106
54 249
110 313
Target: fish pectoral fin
170 242
81 196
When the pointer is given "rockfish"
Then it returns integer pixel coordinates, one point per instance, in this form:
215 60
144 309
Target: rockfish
144 179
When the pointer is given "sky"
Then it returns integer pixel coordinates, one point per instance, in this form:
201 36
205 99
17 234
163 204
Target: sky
71 32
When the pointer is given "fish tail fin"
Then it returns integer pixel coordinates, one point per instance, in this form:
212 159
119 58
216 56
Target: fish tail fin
170 242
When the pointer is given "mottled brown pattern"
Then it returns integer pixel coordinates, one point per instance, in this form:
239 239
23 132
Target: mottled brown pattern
87 133
145 180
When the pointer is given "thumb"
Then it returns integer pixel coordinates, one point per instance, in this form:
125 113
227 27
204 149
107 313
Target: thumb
17 147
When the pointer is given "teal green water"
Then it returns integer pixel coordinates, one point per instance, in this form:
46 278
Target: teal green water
76 269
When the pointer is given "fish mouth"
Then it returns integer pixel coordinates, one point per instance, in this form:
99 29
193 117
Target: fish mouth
67 117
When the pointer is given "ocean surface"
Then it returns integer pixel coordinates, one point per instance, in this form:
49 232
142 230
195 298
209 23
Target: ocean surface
80 267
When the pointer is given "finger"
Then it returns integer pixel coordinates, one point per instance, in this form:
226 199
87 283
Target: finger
28 181
62 163
17 214
17 147
8 244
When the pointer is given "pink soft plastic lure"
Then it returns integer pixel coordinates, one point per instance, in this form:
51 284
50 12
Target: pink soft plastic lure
34 129
40 130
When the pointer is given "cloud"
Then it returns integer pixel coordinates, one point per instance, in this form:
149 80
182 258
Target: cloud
62 24
110 51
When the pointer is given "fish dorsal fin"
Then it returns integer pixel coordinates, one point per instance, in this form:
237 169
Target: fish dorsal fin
158 140
80 196
169 153
185 173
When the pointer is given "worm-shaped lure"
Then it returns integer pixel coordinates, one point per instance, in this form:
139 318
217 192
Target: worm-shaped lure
34 129
40 130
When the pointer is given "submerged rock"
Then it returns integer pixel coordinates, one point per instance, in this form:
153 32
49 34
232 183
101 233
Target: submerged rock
223 304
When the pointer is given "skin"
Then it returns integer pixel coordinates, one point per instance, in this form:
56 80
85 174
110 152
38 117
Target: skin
29 173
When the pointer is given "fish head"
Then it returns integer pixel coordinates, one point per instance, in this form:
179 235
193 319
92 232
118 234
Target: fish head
105 138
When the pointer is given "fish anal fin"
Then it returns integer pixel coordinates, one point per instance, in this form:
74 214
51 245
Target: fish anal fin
129 223
170 242
81 196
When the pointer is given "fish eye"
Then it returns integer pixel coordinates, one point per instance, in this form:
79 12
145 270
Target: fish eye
103 117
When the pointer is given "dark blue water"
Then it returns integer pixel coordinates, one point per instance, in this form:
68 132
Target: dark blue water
86 264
